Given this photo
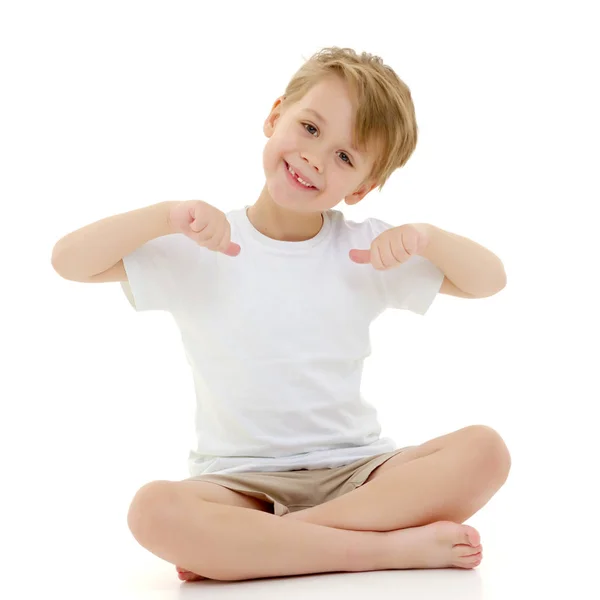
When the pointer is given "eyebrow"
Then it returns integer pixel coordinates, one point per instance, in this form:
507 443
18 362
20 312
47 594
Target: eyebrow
322 118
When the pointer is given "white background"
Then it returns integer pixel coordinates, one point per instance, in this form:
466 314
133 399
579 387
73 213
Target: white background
111 106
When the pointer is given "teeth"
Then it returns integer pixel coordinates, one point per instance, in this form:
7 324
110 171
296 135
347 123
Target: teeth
298 178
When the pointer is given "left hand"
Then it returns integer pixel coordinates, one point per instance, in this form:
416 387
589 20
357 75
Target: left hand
393 247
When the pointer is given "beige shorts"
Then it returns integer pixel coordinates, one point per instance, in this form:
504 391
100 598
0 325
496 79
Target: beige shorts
290 491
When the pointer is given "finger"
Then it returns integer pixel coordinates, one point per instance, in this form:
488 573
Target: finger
233 249
398 252
226 246
409 248
388 259
207 236
377 258
224 242
362 257
423 243
412 245
197 226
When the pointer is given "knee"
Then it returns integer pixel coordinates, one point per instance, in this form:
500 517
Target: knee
151 507
491 451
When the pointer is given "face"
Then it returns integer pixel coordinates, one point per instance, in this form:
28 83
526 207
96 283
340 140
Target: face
318 148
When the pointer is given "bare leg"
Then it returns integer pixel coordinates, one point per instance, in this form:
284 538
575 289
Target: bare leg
230 543
447 479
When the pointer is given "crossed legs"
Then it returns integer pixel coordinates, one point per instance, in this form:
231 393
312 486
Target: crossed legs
374 527
448 478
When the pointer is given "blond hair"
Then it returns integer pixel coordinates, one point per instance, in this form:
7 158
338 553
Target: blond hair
385 114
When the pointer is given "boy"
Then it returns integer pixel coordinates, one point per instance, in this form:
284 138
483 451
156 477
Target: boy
274 303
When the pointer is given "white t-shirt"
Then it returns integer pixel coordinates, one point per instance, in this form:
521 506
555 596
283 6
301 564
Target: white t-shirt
276 338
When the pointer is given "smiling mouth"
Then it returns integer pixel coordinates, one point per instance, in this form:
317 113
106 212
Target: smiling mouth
295 176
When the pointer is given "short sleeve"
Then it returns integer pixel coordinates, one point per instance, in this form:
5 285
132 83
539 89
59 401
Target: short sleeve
414 284
155 271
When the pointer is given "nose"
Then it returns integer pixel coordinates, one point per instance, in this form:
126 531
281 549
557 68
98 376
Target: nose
313 162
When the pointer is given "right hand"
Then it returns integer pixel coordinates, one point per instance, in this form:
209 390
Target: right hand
204 224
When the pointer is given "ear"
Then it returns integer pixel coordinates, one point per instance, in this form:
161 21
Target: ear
275 113
360 193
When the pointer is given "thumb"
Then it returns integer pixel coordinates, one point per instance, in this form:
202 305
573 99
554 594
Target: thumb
362 257
232 249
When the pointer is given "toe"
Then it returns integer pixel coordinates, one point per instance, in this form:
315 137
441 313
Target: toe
474 561
186 575
468 562
471 536
467 550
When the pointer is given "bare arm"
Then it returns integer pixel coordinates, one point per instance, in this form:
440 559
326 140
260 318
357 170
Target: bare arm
94 253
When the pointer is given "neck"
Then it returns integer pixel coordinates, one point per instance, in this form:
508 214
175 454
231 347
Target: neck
282 224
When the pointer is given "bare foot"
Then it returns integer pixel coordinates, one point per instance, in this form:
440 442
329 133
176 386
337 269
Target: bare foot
188 575
438 545
435 546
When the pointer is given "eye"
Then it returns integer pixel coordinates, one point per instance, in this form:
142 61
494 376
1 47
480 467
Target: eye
307 125
348 161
